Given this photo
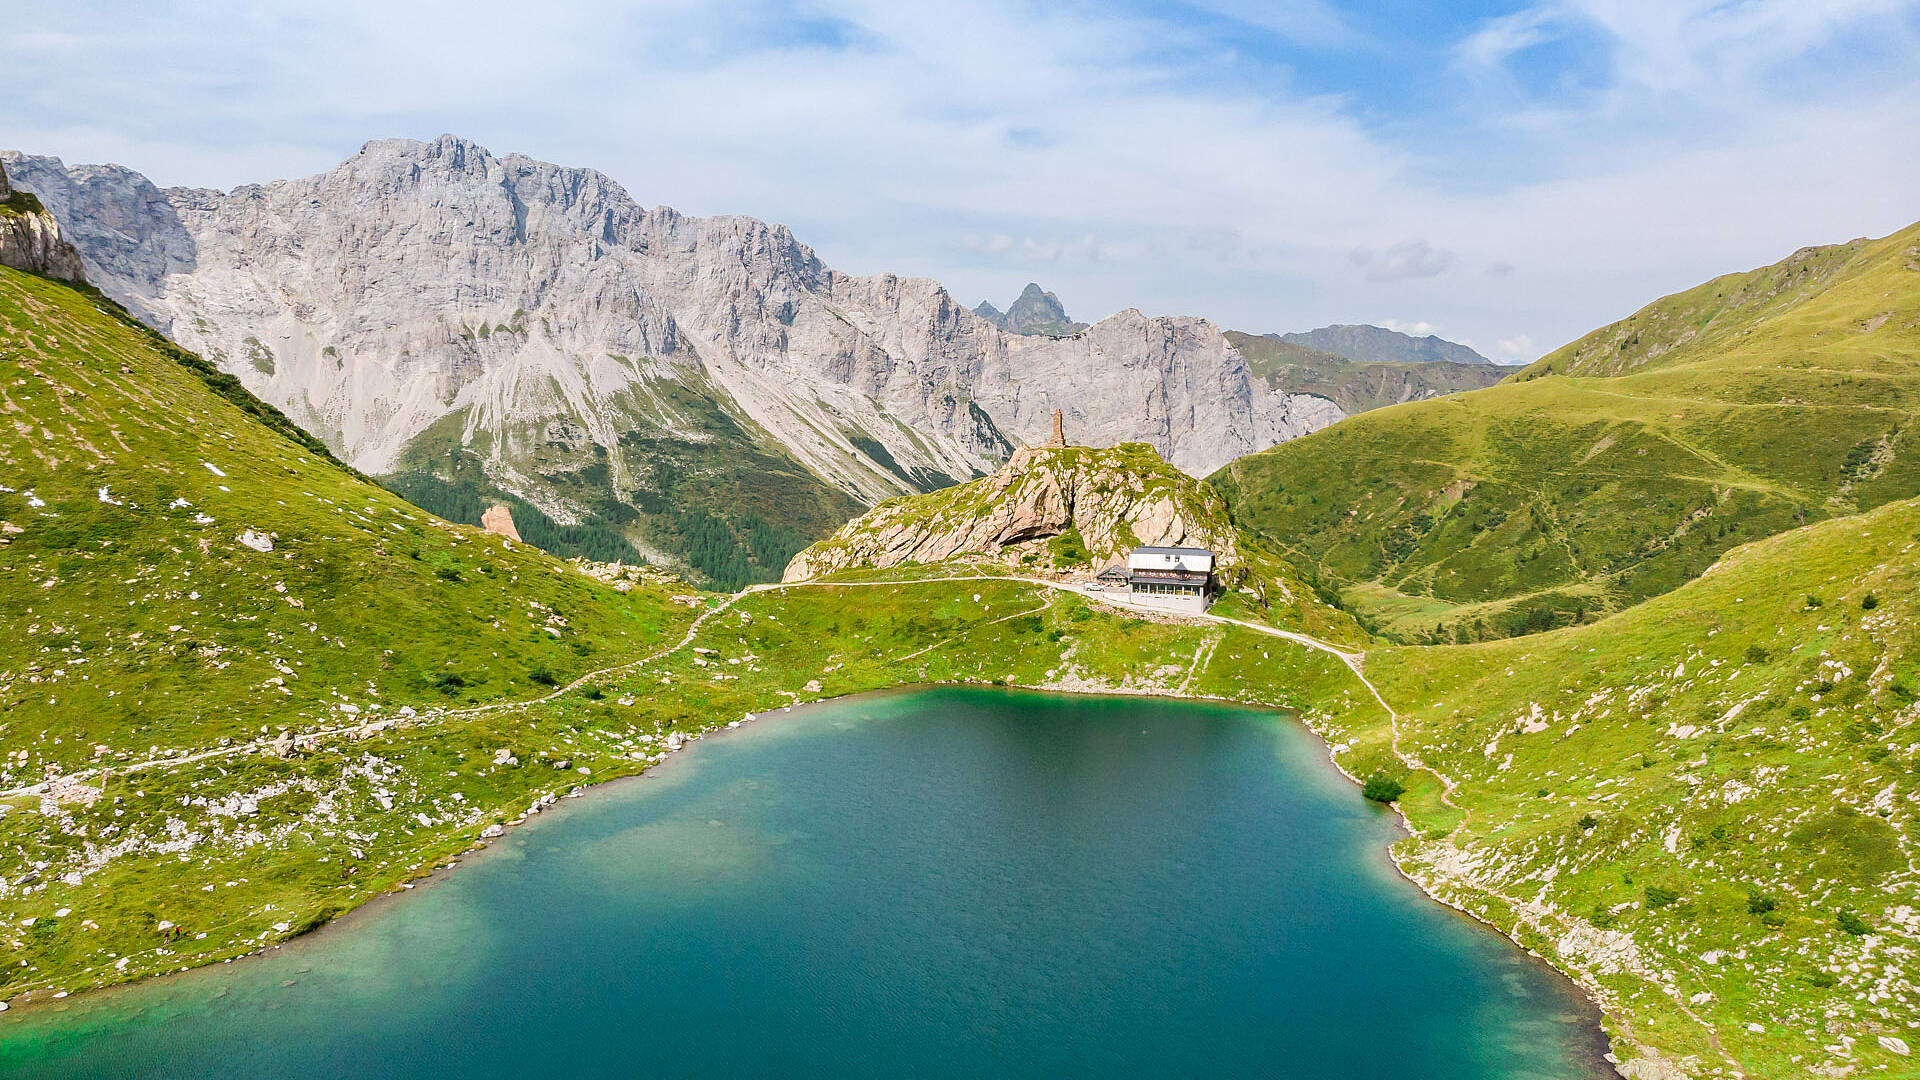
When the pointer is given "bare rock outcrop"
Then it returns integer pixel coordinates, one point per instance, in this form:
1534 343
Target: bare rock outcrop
498 520
30 237
1110 500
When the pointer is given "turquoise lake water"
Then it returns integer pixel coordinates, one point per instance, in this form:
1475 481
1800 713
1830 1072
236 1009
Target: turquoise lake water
942 883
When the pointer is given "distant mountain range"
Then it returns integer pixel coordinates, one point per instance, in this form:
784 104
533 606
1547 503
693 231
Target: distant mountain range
1360 379
1378 345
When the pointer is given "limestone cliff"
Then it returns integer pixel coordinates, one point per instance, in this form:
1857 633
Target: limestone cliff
419 281
30 237
491 327
1050 507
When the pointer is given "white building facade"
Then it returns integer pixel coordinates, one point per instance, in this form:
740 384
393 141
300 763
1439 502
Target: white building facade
1170 578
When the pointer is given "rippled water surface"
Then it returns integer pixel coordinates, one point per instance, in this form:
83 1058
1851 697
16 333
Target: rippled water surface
945 883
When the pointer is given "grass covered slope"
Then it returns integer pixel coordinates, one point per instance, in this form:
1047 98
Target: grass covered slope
182 576
1554 498
176 568
1708 803
690 483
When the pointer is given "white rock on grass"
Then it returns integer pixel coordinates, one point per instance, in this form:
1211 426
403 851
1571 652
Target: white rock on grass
256 540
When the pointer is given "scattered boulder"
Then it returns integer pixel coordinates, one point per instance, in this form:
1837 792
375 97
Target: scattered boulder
255 539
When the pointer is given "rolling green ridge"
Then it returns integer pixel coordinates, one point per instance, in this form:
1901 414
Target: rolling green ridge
1356 386
1748 406
1709 798
174 567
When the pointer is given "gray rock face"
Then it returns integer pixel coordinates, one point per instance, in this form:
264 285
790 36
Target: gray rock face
435 295
30 237
1034 312
1037 311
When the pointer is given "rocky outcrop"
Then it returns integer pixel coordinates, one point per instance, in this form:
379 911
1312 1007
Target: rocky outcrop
30 237
498 520
1110 500
418 283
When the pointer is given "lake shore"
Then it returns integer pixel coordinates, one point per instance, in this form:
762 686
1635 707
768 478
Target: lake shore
669 772
673 764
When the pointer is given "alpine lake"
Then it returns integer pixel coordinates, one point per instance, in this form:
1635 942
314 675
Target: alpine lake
946 882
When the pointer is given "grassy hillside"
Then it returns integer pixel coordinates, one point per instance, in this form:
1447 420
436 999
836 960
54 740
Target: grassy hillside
1357 386
1554 498
174 569
688 483
1709 799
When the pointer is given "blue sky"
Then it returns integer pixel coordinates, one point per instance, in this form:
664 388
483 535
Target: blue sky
1507 174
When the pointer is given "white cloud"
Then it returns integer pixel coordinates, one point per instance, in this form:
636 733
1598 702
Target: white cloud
1407 259
1309 22
1499 38
1517 347
1421 328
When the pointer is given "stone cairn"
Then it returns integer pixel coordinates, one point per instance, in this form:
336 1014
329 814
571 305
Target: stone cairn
1059 438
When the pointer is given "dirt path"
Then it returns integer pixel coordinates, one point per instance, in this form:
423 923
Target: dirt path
1353 660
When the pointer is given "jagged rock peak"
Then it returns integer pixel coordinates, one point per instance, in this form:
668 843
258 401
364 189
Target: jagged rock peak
1105 501
1036 312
